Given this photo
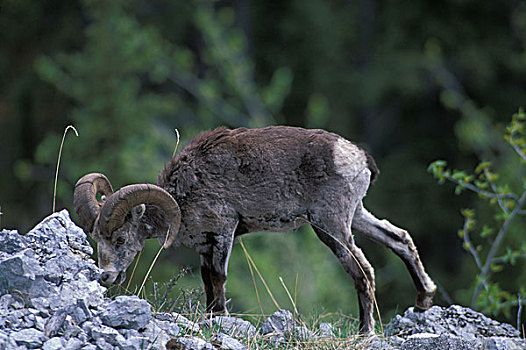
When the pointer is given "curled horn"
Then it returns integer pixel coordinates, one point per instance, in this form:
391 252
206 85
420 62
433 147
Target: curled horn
115 209
85 198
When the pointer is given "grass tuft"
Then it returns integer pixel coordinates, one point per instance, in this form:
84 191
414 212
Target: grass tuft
58 161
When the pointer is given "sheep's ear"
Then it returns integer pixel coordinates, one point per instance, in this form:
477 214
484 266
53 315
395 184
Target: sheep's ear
138 212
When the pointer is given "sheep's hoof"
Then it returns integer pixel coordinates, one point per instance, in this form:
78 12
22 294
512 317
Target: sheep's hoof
424 301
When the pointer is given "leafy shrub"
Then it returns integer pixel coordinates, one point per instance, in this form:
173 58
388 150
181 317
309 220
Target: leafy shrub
487 243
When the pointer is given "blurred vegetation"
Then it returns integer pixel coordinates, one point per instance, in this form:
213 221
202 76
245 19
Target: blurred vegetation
409 80
497 244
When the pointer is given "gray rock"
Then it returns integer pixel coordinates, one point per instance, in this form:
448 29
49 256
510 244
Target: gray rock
55 343
456 326
136 343
9 301
13 319
6 342
127 312
74 344
129 333
455 320
189 343
157 335
30 338
55 322
428 341
280 321
108 334
326 330
179 320
79 312
226 342
11 242
280 326
19 272
503 343
102 344
233 326
89 347
71 330
170 328
82 288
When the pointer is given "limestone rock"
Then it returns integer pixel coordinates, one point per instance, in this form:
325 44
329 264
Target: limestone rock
179 320
451 328
188 343
233 326
280 326
226 342
455 320
30 338
280 321
127 312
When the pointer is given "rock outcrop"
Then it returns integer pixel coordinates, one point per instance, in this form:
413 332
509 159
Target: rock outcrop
453 327
50 299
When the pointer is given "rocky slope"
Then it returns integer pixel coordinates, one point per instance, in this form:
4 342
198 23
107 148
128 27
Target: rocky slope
50 299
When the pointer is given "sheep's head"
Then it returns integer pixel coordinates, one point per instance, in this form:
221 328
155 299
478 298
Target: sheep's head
116 221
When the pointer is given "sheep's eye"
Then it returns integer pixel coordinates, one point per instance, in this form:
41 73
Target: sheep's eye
120 241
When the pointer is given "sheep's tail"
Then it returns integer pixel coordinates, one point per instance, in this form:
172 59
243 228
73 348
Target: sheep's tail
371 164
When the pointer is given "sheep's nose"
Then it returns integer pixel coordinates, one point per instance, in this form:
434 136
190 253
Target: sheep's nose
105 277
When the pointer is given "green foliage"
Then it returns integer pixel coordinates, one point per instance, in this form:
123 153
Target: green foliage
491 256
113 112
114 82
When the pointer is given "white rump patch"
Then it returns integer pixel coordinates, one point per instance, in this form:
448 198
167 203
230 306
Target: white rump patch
349 159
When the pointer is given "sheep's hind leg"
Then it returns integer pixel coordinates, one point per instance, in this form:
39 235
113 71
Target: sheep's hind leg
401 243
356 265
214 264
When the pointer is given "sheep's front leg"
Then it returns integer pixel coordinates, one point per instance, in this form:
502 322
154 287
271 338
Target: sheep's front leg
214 264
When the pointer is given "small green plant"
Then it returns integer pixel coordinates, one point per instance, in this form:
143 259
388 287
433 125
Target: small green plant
485 242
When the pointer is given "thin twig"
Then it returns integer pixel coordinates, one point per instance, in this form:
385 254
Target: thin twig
134 268
477 190
497 242
58 161
153 262
519 311
357 263
259 274
494 189
504 259
517 149
253 279
468 243
290 297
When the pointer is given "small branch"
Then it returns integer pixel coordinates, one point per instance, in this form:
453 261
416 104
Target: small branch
468 243
488 194
502 259
517 149
495 191
497 242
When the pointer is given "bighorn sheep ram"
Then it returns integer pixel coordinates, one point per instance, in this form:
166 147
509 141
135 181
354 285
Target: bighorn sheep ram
226 183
